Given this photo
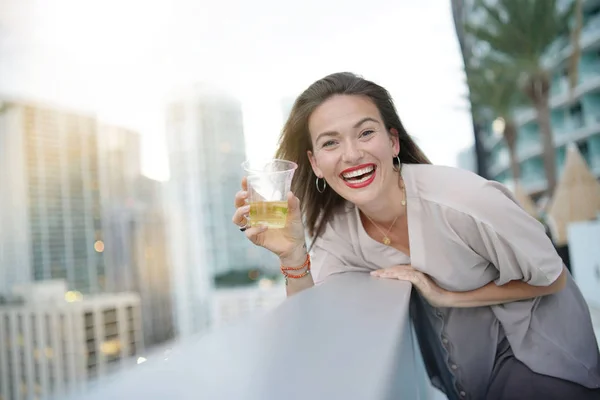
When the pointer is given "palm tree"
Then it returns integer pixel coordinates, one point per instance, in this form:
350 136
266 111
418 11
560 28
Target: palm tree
575 42
493 92
466 53
519 34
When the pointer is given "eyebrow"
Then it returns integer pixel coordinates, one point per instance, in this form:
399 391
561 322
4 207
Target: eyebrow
362 121
356 125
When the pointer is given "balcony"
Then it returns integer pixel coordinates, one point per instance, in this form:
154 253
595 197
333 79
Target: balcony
561 49
538 185
591 82
590 34
349 338
561 138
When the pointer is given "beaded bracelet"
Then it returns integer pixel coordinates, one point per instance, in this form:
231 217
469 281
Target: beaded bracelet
284 270
302 275
306 263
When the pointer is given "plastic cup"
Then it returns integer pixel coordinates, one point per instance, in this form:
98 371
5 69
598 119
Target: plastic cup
269 182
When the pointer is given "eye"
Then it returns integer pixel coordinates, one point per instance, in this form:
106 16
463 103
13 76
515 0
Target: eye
328 143
367 133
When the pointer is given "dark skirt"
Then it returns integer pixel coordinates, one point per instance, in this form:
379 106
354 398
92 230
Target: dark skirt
513 380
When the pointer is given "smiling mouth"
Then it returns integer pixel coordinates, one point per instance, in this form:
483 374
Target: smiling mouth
358 176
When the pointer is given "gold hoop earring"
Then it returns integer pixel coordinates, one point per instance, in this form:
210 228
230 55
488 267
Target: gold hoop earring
319 189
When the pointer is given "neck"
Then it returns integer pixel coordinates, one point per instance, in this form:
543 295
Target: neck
387 208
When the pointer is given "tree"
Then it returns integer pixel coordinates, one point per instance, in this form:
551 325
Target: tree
466 53
495 94
575 42
519 34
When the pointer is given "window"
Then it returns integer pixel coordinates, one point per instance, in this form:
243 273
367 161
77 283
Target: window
584 150
576 114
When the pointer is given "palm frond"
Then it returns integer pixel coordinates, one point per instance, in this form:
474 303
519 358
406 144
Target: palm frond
493 86
522 31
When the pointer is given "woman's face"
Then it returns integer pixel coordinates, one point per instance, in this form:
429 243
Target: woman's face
352 149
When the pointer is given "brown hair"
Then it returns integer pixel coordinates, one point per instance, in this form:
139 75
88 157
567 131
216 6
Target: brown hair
318 208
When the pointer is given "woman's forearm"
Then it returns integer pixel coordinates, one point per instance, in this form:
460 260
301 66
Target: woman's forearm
492 294
295 285
299 284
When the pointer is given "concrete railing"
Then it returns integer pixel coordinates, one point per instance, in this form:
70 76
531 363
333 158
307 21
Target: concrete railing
349 338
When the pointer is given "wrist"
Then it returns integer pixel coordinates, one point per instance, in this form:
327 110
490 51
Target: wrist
296 271
295 257
450 299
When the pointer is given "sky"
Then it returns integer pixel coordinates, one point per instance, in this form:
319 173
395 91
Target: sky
121 59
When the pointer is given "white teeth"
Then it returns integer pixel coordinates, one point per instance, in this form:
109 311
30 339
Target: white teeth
361 180
358 172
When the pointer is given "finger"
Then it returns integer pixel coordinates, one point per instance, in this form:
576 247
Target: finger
413 278
240 217
240 198
293 205
401 275
385 273
245 184
391 270
256 234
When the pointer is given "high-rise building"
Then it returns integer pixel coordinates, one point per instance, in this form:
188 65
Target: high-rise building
574 119
206 148
50 210
53 342
134 231
120 166
75 207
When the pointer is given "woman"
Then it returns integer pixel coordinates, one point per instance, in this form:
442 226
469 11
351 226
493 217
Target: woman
504 316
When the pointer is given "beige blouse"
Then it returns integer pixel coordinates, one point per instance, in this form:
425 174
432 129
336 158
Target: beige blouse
464 232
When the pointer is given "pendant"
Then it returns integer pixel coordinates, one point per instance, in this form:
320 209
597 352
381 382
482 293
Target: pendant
403 202
386 240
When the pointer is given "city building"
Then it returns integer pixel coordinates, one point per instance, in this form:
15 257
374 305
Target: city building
55 342
232 304
575 119
50 210
134 226
151 262
206 148
76 207
119 166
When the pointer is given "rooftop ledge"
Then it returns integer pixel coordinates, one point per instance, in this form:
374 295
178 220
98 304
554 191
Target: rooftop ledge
348 338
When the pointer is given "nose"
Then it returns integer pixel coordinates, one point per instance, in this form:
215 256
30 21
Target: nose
352 154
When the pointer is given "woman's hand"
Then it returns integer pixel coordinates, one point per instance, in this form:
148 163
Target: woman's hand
288 243
435 295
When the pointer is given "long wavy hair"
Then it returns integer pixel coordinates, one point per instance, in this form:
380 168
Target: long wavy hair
295 141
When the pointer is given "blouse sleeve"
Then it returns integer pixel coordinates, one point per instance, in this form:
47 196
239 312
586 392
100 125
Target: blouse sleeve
495 226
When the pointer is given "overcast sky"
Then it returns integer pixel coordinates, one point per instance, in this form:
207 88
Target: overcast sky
121 58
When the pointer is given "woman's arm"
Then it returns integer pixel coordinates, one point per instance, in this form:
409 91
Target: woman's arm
493 225
295 285
488 295
492 294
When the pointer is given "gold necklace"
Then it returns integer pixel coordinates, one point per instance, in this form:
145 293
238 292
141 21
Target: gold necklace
386 239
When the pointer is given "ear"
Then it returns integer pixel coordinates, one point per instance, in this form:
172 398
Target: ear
395 139
313 164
